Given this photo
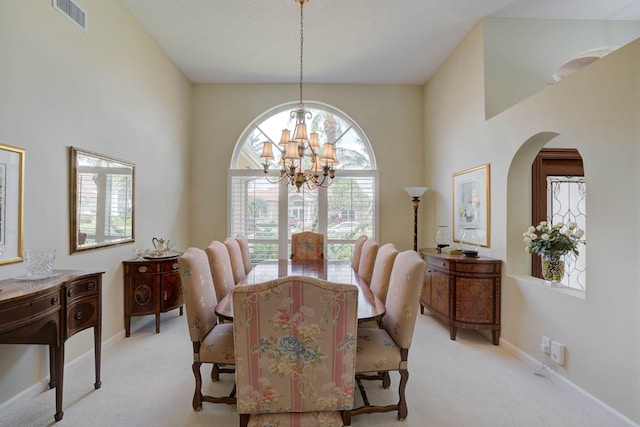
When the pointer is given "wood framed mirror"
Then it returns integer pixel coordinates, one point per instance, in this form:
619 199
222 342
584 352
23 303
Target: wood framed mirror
101 197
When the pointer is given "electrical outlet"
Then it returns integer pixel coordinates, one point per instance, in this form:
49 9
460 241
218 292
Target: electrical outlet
545 345
557 352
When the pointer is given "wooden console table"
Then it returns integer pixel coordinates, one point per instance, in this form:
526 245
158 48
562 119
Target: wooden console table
151 286
462 291
49 311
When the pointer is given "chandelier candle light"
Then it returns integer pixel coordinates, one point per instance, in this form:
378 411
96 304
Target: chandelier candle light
301 162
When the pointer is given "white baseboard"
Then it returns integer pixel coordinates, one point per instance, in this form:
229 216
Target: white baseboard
605 410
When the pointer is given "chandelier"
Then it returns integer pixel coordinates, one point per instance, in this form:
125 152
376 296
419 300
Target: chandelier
301 162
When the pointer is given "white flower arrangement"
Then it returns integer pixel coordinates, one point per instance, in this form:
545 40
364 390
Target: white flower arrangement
547 238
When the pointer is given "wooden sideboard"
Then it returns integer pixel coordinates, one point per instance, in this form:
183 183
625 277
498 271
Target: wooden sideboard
49 311
462 291
151 286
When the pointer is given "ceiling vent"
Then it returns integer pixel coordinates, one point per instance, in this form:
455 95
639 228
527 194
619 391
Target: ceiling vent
72 11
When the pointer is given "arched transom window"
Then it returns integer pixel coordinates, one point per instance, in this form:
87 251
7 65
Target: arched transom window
267 214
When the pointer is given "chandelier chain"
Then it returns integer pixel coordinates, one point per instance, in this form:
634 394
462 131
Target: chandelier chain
301 46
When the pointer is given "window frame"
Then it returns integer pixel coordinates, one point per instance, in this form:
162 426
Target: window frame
283 236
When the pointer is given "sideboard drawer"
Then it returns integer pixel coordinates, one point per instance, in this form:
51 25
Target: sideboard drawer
82 315
82 288
30 310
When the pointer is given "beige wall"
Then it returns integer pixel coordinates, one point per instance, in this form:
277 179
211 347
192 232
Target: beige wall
597 112
390 116
522 64
112 91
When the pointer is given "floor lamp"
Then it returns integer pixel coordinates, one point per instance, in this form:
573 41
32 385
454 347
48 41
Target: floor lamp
415 193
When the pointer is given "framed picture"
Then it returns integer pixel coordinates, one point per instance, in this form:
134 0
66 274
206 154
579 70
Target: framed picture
471 203
11 203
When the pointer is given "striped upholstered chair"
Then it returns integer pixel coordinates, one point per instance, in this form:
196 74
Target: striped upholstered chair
212 342
295 352
307 246
387 349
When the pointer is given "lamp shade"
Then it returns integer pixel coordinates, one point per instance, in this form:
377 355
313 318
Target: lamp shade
292 150
313 142
301 133
285 137
267 152
415 191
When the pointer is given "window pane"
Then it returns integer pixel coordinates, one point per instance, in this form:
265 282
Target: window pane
351 213
566 204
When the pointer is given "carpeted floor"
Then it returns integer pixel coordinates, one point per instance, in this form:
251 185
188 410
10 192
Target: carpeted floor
147 381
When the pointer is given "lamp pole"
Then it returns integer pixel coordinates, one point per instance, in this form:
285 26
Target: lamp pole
415 193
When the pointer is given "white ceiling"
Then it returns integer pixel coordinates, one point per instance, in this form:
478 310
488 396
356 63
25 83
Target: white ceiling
345 41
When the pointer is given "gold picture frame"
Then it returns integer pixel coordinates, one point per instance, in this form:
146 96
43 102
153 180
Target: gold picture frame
472 203
11 203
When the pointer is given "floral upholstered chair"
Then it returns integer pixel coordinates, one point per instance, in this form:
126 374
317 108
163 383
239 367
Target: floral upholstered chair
368 259
295 352
220 266
381 274
387 349
307 246
212 342
246 253
235 256
380 277
357 252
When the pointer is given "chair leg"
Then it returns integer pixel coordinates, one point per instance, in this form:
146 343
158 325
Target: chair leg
402 403
244 420
386 379
197 395
346 418
215 373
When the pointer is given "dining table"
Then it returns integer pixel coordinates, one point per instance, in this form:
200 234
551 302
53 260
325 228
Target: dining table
370 307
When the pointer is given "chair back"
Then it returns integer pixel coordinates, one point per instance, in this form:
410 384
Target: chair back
357 251
403 297
198 292
235 256
246 253
307 246
368 259
382 270
220 265
295 345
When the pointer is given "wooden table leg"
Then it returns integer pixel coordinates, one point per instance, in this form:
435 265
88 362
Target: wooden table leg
453 330
52 366
59 367
157 323
495 335
97 349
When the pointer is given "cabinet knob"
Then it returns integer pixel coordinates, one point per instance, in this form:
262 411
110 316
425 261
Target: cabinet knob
142 269
54 300
175 266
165 295
91 285
78 315
70 293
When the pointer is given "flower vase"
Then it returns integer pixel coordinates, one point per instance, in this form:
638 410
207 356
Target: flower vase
553 268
